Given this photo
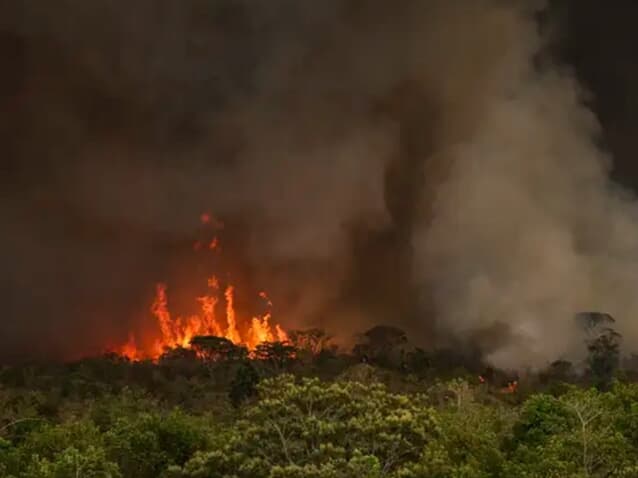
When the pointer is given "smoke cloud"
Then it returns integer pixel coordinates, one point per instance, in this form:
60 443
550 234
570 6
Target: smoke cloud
426 165
526 228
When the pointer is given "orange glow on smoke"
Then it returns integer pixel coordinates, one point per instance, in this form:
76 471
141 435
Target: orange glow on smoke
171 332
207 218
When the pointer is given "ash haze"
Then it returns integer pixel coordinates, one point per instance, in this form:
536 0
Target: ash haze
436 165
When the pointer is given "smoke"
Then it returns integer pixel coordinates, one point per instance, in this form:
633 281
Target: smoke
527 229
424 164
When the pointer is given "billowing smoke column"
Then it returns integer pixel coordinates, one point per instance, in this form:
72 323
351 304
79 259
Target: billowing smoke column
423 164
526 227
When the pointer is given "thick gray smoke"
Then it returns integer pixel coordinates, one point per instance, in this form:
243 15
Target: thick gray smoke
527 229
421 164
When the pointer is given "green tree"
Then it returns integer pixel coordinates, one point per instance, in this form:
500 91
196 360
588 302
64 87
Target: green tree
323 428
19 412
604 358
145 445
356 467
573 436
625 399
108 409
469 441
244 385
47 450
541 417
73 463
51 439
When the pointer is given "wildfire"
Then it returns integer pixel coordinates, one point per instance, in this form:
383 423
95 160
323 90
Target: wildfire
179 331
512 386
172 332
232 333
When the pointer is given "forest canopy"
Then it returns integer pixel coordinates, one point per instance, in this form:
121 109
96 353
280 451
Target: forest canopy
303 409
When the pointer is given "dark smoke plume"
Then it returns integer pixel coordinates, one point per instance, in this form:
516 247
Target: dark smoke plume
424 164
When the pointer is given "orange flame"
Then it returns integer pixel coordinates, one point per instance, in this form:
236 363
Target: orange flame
231 334
178 332
130 349
175 332
160 311
512 387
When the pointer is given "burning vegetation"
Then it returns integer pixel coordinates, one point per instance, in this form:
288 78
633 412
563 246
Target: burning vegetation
217 317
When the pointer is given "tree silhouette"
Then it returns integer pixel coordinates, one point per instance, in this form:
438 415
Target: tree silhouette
278 354
217 349
604 358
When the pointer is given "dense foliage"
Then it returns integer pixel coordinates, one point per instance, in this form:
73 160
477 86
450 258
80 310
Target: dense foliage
302 410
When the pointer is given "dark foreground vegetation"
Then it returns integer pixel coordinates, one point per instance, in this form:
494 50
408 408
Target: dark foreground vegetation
303 410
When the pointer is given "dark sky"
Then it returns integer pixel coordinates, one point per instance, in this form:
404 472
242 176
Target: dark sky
79 80
598 39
